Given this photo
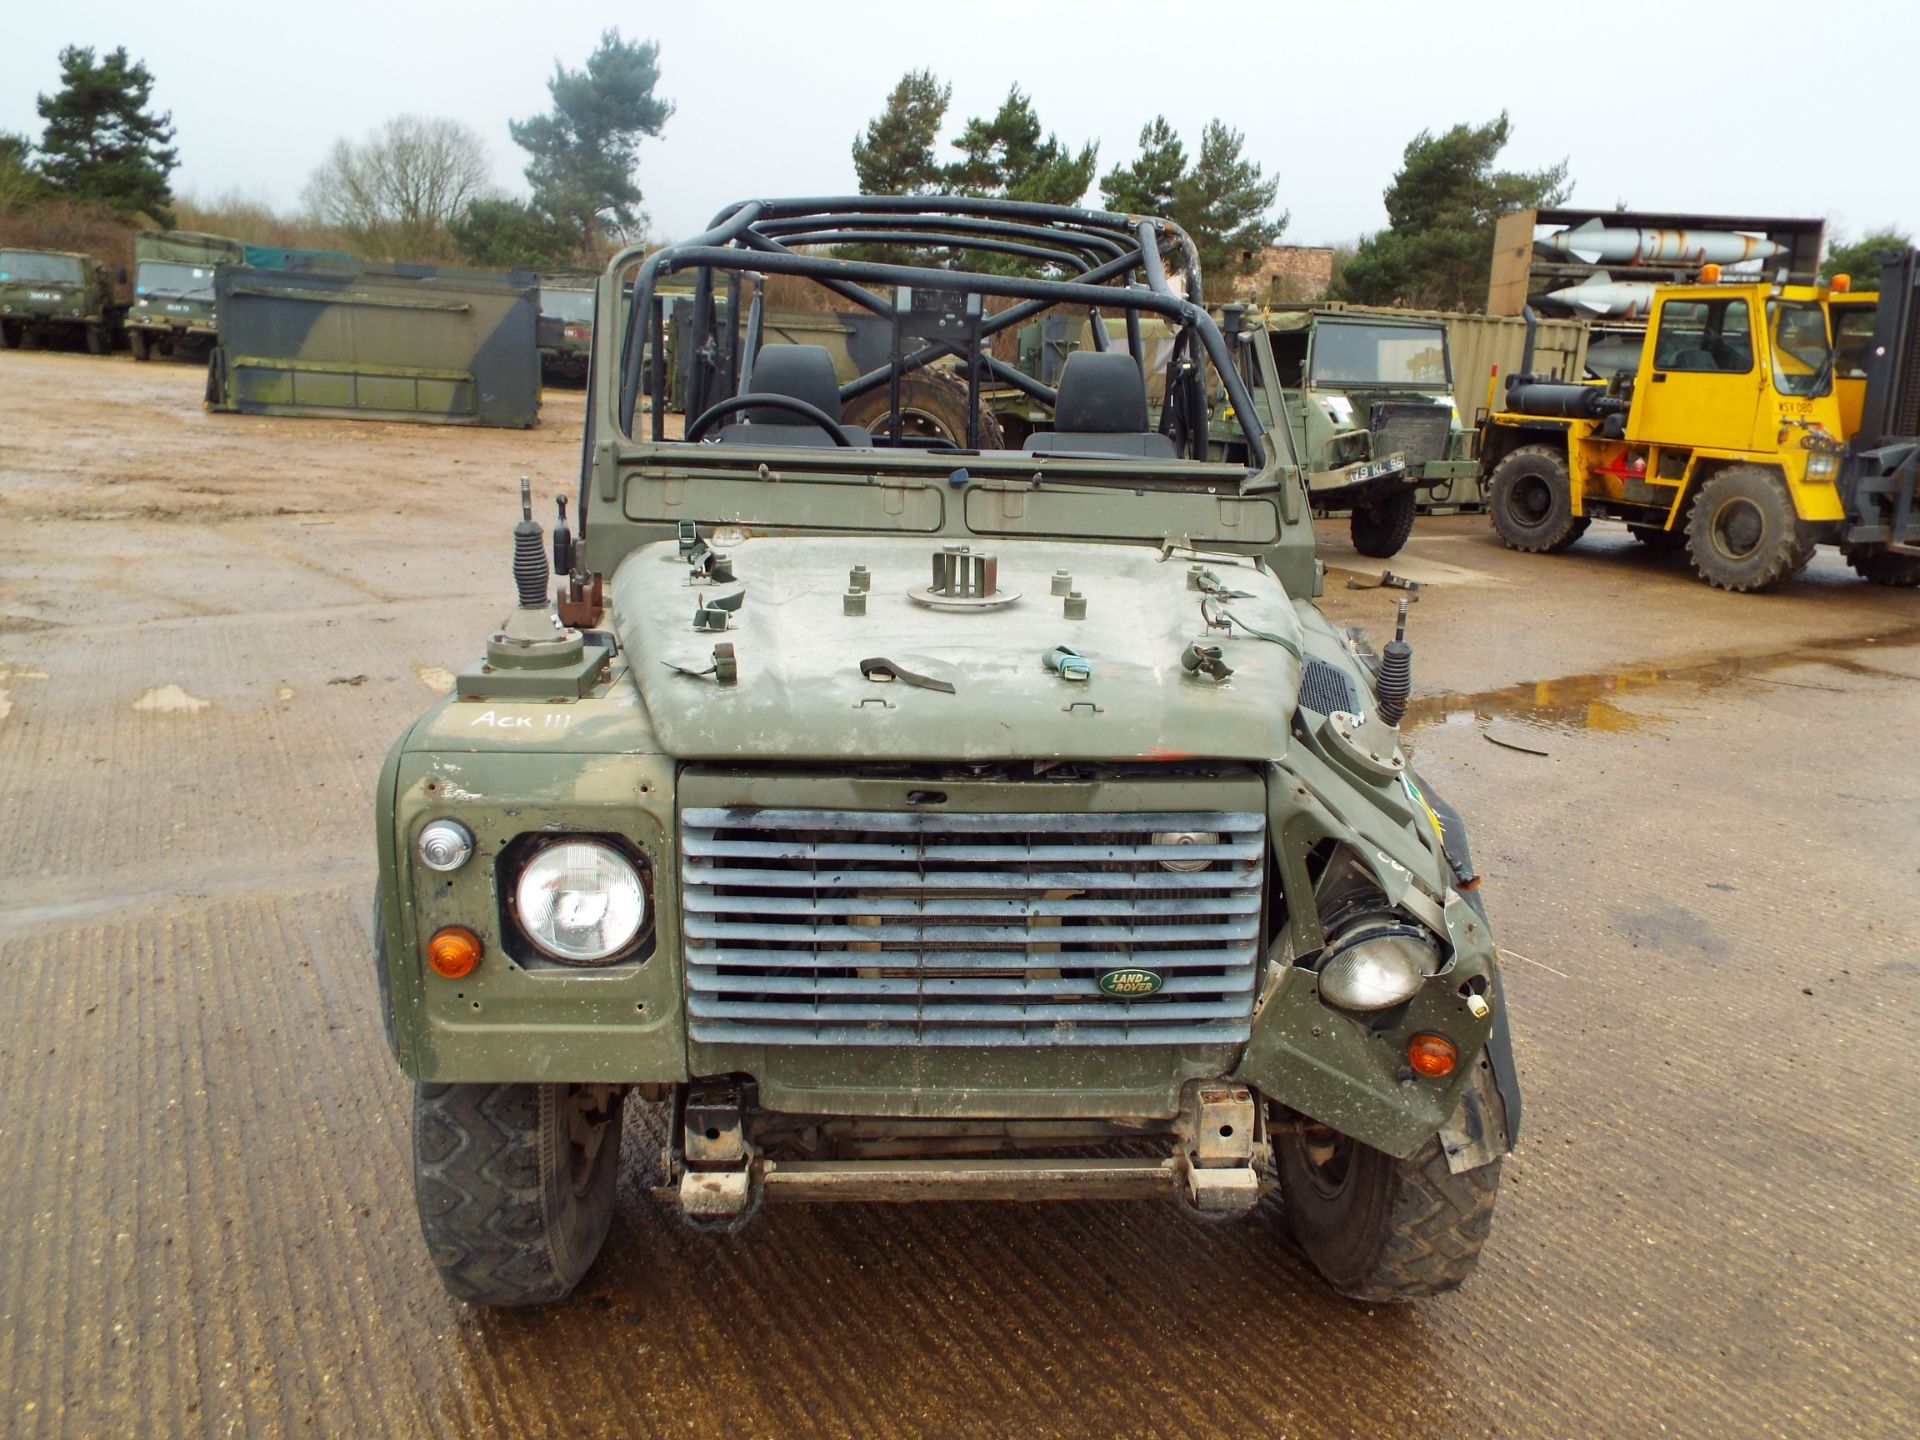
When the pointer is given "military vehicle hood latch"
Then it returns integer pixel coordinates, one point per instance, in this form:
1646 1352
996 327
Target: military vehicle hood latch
725 669
882 669
1068 663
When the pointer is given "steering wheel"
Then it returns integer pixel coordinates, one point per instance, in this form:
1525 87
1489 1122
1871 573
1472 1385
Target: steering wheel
772 401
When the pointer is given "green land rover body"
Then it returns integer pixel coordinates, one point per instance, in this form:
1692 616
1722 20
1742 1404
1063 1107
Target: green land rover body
927 821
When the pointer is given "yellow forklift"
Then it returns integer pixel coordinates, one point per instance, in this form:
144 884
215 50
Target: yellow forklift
1732 438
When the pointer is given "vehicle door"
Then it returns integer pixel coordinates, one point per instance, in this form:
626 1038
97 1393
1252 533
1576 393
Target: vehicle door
1700 382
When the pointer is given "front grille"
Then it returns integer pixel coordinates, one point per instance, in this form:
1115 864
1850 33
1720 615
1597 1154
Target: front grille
843 927
1418 430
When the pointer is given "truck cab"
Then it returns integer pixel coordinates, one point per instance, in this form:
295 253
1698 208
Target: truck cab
174 309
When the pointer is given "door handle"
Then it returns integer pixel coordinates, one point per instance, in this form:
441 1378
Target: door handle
1659 377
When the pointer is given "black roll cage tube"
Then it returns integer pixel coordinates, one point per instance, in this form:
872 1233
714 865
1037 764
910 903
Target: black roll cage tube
755 235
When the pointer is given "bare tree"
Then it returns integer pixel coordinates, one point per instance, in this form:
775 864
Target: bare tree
401 186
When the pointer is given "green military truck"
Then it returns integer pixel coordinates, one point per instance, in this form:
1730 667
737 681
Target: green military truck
56 296
174 311
566 325
916 819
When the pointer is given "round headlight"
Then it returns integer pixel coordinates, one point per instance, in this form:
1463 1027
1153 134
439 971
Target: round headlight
445 845
580 901
1185 837
1376 964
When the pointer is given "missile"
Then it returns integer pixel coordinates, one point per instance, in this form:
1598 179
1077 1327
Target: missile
1603 295
1598 244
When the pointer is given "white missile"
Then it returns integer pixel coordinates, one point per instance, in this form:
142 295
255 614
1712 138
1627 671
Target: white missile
1598 244
1601 294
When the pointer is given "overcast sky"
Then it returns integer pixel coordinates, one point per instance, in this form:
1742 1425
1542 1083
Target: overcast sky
1757 108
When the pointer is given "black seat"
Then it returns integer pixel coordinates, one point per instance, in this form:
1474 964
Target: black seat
1101 410
803 372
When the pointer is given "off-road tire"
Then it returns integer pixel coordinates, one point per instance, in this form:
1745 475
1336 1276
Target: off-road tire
96 340
137 344
512 1212
1884 567
1395 1230
9 334
933 403
1531 502
1743 534
1381 523
1654 538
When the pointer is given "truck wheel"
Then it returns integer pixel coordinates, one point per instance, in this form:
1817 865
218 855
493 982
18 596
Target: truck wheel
933 406
1380 1229
137 343
515 1186
9 334
1382 523
96 340
1531 500
1743 534
1884 567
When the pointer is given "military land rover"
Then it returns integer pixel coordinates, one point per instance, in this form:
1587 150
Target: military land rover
918 819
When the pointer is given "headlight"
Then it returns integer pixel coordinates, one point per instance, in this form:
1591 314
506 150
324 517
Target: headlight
580 901
1185 837
445 845
1376 963
1822 465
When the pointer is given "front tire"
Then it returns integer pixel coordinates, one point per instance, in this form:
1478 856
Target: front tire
96 340
137 343
9 334
1382 523
1743 534
1884 567
1531 501
515 1185
1382 1230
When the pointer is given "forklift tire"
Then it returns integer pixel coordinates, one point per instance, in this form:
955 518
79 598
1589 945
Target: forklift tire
1884 567
1382 523
1531 501
137 343
1743 534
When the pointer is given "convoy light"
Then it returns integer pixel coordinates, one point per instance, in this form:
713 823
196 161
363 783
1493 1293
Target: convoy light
580 901
1840 284
453 951
1709 274
1376 963
1185 837
445 845
1433 1056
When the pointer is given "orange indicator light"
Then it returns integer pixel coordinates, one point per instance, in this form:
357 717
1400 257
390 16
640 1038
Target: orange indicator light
453 952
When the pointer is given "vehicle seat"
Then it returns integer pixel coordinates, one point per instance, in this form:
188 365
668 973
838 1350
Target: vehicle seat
804 372
1101 410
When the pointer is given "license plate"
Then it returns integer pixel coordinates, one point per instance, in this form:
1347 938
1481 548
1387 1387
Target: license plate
42 295
1377 469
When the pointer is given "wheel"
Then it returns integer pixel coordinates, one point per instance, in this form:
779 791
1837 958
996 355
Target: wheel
1743 534
933 406
137 343
1531 501
96 340
9 334
1382 523
1381 1229
1654 538
1884 567
515 1186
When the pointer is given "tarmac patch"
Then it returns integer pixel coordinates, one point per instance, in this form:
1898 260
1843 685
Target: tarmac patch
170 700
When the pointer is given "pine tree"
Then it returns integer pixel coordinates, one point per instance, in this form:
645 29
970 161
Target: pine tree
1008 156
1149 184
895 156
101 143
1222 201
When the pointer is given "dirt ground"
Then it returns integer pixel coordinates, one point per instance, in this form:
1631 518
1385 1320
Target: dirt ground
1701 858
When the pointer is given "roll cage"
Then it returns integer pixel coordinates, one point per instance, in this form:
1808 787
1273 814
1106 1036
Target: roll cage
1109 261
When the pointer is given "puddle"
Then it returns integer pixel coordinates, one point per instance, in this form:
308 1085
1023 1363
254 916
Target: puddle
170 700
1590 702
